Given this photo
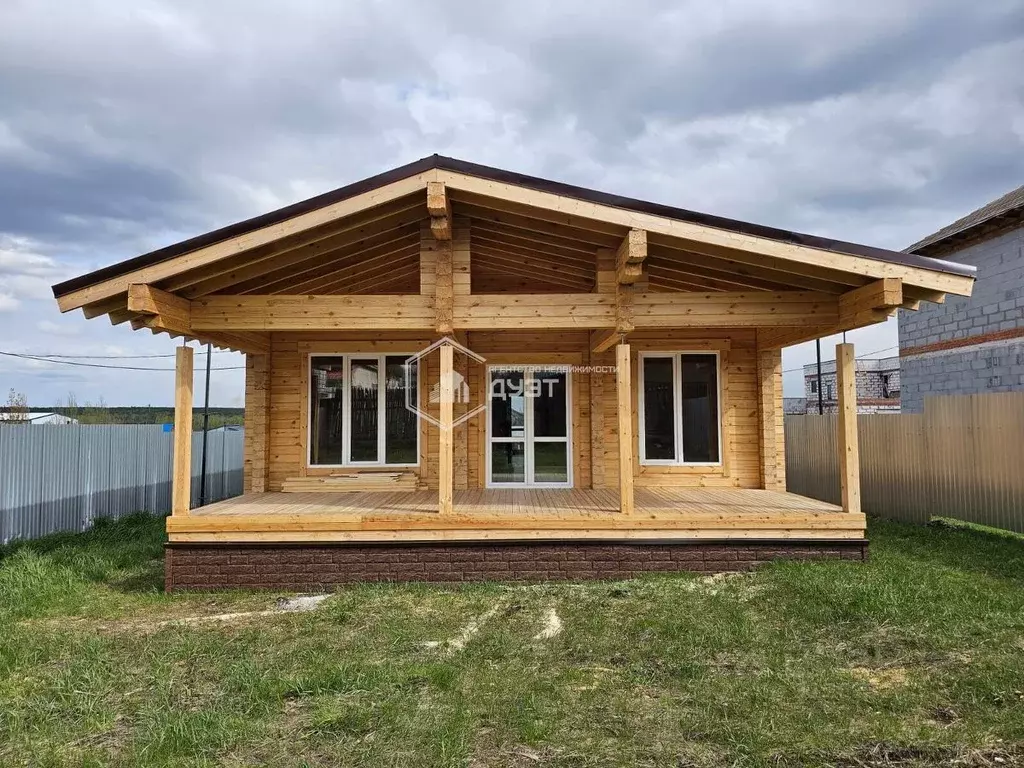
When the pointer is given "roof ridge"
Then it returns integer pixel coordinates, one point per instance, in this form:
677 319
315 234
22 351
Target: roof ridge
1003 204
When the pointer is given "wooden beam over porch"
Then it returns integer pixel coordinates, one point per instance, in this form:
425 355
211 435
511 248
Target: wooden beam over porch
313 313
869 304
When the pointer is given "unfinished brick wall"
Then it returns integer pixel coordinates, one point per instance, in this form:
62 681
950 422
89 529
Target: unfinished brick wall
302 567
992 318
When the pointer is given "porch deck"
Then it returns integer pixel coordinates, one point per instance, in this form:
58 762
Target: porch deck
526 514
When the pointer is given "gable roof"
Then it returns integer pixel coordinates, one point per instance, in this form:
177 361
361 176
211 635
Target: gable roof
439 162
1007 210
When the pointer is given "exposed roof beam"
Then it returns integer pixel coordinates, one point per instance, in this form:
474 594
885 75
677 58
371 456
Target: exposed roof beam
233 246
162 309
440 210
629 258
306 313
689 231
298 259
867 305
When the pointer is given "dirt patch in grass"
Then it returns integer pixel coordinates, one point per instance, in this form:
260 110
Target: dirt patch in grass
884 755
883 679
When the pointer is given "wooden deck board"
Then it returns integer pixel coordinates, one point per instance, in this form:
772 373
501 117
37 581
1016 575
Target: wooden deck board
513 514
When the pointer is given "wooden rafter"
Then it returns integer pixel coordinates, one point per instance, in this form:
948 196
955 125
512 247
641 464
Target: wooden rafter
500 266
402 269
538 230
678 282
490 280
594 228
525 238
691 266
549 255
104 307
329 277
295 249
231 247
534 265
580 211
281 278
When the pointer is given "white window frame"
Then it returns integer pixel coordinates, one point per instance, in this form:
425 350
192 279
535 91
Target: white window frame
677 405
346 410
529 369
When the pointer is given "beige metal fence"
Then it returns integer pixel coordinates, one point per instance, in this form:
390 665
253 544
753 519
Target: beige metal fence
963 458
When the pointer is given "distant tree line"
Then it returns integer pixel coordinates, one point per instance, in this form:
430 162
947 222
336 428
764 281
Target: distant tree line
17 408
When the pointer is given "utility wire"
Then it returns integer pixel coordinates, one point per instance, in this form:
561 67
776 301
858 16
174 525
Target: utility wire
858 357
120 357
102 365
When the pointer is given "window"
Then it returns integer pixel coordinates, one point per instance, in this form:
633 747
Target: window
357 412
680 418
814 386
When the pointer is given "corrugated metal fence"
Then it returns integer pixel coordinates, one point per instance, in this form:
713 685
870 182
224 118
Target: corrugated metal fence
61 478
962 458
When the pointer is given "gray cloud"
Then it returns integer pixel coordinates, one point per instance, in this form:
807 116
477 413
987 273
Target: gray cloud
124 128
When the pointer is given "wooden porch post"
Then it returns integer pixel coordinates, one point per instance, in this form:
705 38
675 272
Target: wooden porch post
849 452
446 451
181 485
625 416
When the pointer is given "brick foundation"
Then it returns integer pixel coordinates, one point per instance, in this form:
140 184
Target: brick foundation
303 567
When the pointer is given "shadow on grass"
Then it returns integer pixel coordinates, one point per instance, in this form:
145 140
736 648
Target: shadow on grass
126 554
966 548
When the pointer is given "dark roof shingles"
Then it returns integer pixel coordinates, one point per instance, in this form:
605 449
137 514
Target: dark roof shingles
510 177
1009 203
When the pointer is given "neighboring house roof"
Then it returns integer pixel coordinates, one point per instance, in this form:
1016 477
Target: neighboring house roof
438 162
992 218
38 417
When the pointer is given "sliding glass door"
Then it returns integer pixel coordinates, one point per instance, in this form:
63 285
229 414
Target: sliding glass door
528 429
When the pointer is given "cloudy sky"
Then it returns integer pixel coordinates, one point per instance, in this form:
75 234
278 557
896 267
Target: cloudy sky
128 126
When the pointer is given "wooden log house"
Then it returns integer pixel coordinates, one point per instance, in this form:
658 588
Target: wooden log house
456 372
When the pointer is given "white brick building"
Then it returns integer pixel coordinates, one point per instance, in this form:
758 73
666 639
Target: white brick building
878 386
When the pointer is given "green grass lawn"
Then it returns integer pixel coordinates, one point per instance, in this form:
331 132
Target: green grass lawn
915 658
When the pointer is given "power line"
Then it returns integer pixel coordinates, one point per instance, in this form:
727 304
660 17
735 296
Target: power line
102 365
859 357
120 357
